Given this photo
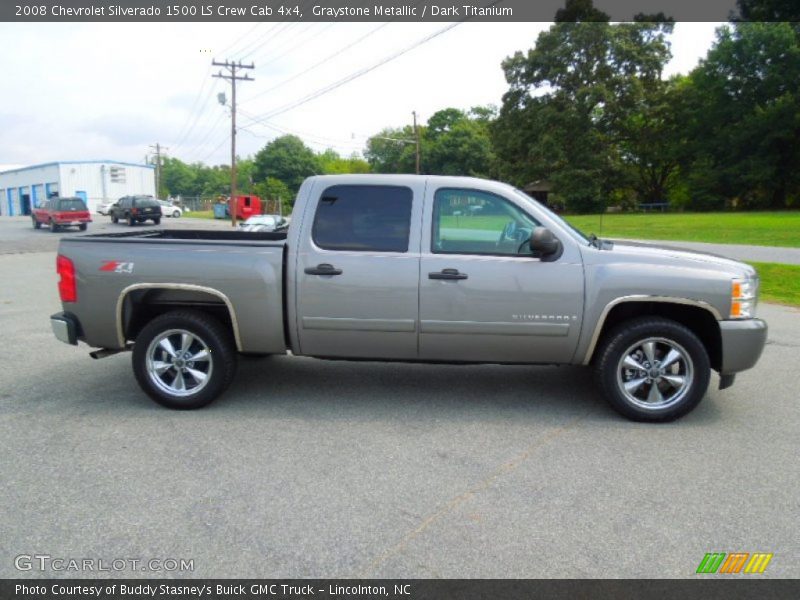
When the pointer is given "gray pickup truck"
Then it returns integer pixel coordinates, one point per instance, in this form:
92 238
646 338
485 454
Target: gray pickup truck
412 268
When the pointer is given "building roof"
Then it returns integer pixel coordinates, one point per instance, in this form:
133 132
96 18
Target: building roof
77 162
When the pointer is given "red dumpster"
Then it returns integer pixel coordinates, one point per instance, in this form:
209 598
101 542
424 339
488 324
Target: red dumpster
246 206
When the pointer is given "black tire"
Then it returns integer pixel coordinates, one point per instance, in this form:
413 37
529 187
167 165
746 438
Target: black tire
210 334
176 214
82 226
114 219
628 339
156 221
131 221
36 224
53 226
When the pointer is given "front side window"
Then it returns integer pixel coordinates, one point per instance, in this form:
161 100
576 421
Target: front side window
369 218
474 222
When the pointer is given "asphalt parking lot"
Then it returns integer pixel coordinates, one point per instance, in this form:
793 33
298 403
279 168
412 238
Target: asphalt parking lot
308 468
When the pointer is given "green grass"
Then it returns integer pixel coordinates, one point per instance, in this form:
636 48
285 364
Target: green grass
201 214
757 228
779 283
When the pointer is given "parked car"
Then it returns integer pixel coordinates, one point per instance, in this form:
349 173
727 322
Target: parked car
378 267
136 209
62 212
264 223
104 207
170 210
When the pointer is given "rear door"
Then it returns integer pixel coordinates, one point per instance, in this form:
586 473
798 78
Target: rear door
357 270
483 295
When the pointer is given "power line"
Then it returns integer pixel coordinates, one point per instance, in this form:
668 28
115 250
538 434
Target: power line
299 43
192 118
310 138
214 151
357 74
340 51
206 137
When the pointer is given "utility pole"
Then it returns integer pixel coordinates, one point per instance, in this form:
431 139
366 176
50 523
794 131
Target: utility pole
231 76
416 137
158 150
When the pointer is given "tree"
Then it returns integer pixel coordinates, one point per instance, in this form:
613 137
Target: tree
392 151
177 177
331 163
768 10
746 132
273 191
288 159
458 143
569 100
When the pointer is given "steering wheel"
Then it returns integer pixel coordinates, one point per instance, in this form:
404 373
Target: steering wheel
509 233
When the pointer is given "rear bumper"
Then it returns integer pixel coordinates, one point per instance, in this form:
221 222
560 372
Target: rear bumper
65 327
742 344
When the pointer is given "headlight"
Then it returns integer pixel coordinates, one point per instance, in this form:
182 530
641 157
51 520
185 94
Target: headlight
744 297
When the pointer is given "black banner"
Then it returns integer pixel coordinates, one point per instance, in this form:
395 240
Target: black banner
339 10
396 589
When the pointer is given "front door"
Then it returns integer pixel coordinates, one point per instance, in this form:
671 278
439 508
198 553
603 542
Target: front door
483 295
358 271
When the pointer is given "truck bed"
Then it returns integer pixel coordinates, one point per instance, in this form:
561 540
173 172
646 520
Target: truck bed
246 238
116 272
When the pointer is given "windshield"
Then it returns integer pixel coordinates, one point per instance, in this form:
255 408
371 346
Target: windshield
146 202
578 234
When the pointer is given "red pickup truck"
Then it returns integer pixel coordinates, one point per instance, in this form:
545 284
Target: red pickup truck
62 212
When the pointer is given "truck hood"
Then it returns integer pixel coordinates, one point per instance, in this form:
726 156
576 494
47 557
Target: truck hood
661 254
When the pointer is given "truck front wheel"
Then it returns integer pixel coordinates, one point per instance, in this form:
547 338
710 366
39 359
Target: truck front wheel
652 369
184 359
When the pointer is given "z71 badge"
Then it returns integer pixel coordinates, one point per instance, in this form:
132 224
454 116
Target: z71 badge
114 266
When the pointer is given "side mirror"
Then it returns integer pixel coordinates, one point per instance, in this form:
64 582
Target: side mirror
545 243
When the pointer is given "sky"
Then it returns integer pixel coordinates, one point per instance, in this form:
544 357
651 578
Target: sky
109 91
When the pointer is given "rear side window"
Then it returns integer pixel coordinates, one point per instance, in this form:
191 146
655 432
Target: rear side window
71 204
370 218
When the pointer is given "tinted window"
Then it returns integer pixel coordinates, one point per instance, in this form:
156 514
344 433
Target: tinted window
474 222
372 218
145 202
72 204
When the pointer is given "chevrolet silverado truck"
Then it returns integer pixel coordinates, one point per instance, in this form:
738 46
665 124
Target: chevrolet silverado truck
62 212
412 268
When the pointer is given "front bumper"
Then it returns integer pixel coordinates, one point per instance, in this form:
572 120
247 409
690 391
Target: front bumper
65 328
742 344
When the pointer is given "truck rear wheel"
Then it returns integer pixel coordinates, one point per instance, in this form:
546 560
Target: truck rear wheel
184 359
53 226
652 369
36 223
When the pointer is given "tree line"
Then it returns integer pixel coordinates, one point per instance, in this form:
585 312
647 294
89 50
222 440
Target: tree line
589 114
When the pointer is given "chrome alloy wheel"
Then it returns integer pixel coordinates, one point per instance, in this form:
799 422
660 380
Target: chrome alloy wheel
655 373
179 362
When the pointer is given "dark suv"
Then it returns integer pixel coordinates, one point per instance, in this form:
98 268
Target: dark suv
135 209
